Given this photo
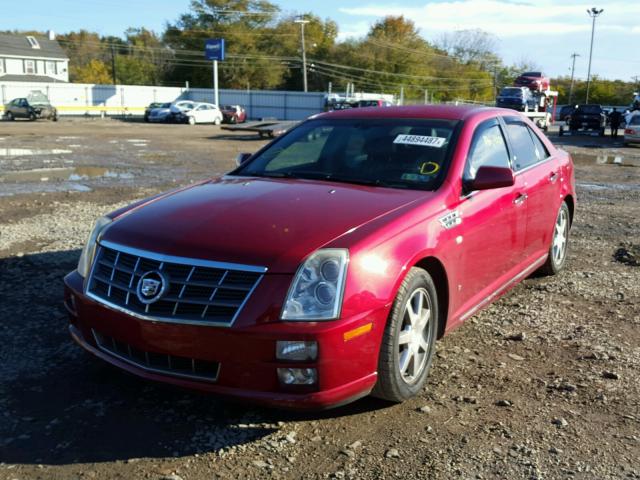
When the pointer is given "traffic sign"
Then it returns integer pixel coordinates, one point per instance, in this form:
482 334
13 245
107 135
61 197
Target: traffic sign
214 49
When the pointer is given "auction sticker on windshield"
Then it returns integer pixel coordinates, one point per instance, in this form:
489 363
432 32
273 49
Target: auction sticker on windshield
421 140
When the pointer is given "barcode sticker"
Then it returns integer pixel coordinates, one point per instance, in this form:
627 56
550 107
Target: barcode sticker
420 140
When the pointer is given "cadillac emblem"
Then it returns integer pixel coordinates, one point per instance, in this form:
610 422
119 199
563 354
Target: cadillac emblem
151 286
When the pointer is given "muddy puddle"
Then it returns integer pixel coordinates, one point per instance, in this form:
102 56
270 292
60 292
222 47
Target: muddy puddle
611 159
73 174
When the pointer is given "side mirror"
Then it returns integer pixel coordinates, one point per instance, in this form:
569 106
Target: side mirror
488 178
242 158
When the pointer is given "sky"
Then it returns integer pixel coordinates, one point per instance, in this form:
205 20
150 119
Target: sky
543 32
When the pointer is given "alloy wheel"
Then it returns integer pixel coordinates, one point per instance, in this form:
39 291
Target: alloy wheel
414 339
560 235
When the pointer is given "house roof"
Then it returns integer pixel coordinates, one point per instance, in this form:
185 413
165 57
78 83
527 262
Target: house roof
17 44
29 78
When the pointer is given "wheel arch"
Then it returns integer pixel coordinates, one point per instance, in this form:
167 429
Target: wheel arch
571 204
438 273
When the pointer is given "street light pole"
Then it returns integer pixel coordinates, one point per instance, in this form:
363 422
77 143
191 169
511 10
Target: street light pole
593 13
304 52
573 68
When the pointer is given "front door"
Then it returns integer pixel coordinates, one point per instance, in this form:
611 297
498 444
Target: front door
494 224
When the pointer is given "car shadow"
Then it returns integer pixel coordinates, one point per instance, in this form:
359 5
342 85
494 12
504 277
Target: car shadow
61 405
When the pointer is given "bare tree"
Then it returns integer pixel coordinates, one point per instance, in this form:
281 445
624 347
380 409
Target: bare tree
470 46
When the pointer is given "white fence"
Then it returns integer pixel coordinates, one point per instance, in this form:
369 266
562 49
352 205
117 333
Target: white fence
91 99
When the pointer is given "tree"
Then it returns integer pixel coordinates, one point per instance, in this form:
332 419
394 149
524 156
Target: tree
94 71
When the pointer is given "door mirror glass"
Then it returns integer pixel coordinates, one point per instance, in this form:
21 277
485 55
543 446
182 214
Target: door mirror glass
242 158
488 178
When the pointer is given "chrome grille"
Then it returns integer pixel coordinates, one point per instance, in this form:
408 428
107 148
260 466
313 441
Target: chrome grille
199 292
158 362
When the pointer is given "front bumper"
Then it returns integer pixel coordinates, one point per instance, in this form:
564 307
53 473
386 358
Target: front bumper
245 355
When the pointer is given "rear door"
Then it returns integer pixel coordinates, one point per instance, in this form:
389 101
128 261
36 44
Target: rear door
493 222
537 173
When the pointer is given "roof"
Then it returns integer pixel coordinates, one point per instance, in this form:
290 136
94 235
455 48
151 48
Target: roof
29 78
445 112
17 44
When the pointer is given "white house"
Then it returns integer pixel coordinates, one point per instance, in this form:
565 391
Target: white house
32 58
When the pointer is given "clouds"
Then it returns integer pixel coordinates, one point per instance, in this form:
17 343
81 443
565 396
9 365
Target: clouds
546 31
502 17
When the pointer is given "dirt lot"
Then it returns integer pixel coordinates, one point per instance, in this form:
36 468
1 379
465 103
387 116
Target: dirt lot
543 384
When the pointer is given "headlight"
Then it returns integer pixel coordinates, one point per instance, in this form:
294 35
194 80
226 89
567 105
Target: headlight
316 290
89 250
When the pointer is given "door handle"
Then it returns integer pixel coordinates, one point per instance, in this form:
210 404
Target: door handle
553 177
520 199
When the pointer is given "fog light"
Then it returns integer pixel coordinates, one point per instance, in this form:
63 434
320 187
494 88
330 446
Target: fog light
297 351
297 376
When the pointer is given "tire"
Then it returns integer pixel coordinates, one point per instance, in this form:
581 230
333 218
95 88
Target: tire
32 117
217 121
233 120
557 257
396 382
9 116
191 121
561 132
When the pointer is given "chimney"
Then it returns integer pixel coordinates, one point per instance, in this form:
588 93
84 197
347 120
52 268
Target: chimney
51 34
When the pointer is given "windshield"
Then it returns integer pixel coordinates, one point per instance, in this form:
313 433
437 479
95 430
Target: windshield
37 98
396 153
590 109
511 92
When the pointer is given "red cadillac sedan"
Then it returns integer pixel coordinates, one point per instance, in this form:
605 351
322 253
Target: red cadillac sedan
326 265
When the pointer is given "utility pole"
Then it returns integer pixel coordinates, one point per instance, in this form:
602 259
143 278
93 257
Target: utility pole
593 13
573 68
113 64
304 52
402 95
426 96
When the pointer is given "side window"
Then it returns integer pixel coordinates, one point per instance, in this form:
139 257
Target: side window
524 150
488 149
541 151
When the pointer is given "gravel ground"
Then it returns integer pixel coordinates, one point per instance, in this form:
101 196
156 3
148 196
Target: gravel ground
544 384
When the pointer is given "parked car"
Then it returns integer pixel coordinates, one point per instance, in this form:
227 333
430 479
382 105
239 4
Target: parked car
516 98
33 107
587 118
372 103
564 114
152 106
200 113
325 266
234 114
533 80
169 113
632 130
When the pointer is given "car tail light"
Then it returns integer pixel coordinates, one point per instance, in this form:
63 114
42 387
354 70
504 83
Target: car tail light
629 131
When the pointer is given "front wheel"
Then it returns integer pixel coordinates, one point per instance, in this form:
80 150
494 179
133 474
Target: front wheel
191 120
217 121
9 116
409 338
559 243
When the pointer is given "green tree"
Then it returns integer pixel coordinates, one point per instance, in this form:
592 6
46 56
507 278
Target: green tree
94 71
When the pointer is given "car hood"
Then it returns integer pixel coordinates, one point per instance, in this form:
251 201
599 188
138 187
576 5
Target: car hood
273 223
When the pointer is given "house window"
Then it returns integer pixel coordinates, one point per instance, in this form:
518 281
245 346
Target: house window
51 68
30 67
33 42
2 70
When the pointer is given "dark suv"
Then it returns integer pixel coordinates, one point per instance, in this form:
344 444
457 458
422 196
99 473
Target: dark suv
587 118
516 98
35 106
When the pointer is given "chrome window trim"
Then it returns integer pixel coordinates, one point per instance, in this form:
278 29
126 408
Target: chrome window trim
171 259
152 369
